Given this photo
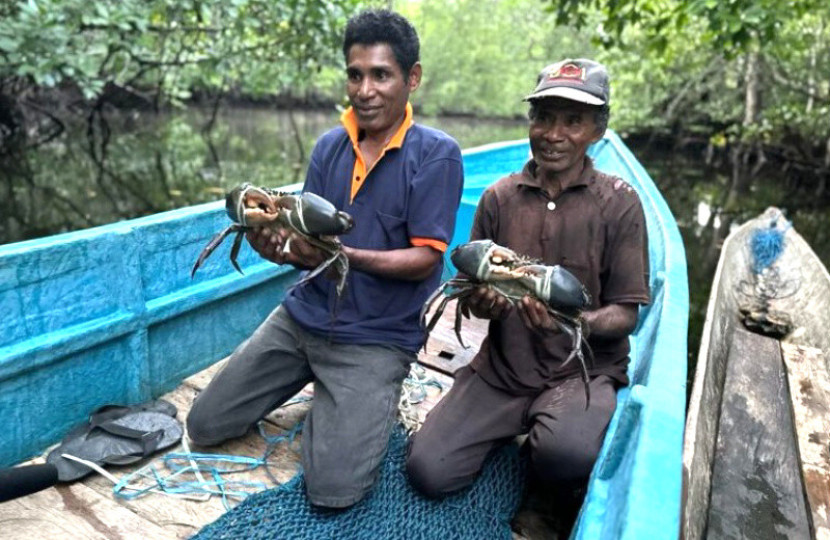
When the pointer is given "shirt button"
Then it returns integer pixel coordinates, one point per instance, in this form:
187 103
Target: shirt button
551 205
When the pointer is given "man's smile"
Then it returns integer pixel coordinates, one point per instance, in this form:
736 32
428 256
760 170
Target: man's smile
367 110
551 154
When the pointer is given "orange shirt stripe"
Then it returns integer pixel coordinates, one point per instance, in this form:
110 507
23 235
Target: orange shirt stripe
430 242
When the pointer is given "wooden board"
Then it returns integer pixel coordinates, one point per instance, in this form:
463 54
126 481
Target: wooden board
75 511
810 390
200 380
294 410
443 352
756 480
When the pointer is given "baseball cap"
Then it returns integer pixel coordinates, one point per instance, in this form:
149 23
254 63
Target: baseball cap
578 79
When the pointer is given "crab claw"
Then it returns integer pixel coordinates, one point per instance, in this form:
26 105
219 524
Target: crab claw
480 258
316 216
250 206
471 258
556 286
565 290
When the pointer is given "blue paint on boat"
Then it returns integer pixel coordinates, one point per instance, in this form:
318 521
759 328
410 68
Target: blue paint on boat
111 315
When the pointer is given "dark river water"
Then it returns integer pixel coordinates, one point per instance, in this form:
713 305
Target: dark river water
139 165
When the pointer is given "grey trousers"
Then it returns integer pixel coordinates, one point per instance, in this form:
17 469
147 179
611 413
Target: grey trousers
356 394
564 438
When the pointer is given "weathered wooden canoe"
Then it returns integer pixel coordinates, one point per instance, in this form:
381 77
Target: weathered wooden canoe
111 315
756 462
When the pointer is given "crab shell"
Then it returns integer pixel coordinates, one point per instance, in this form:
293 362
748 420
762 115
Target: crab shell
308 213
475 258
554 285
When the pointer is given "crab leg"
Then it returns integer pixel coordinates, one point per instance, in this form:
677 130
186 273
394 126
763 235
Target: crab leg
431 300
320 268
575 332
461 283
445 299
214 243
439 311
237 244
458 315
342 263
434 320
336 258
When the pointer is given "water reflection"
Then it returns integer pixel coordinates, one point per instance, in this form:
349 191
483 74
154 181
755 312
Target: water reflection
708 204
147 164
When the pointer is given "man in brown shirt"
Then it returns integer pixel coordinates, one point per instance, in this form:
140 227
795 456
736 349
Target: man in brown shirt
562 211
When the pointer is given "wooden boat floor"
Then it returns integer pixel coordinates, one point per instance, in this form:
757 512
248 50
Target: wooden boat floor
757 490
87 509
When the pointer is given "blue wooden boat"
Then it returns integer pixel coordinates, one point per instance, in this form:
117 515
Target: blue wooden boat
111 315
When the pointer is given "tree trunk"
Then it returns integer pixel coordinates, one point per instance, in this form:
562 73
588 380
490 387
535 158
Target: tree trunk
822 178
741 152
811 80
817 46
739 181
752 79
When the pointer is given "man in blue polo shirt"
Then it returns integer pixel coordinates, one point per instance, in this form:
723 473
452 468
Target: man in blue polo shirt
401 182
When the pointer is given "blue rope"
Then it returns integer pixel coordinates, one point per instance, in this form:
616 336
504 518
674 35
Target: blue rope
418 380
213 465
766 245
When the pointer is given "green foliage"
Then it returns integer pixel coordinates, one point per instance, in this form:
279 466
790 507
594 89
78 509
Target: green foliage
140 55
730 26
258 46
676 66
482 56
673 63
682 65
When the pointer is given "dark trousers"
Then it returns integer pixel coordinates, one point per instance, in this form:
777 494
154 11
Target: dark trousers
564 438
356 393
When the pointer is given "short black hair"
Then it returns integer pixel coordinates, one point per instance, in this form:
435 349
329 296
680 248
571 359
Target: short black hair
375 26
601 113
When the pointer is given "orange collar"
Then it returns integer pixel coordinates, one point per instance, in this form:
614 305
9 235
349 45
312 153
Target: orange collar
349 121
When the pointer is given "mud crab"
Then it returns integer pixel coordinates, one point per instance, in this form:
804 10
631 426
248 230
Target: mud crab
310 216
483 262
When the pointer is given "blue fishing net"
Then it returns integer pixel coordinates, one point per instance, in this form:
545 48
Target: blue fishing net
392 510
766 244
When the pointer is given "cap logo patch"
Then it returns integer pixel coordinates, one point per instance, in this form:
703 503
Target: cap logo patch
568 71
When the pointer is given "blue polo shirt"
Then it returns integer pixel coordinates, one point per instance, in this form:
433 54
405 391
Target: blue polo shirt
408 198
